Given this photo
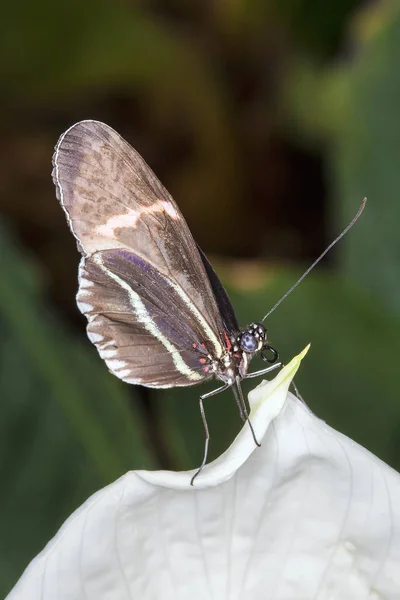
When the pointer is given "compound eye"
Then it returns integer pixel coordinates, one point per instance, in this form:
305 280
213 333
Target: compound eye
248 343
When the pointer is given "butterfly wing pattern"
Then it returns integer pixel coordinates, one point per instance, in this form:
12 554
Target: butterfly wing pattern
143 284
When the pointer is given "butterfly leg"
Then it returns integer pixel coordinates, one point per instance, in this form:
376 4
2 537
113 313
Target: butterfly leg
263 371
237 391
215 392
205 425
297 393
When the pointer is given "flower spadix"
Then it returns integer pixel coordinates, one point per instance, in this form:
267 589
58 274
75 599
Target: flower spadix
309 514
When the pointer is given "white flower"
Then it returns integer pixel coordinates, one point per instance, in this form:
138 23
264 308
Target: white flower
309 515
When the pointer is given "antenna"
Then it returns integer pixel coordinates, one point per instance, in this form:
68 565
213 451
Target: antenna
310 268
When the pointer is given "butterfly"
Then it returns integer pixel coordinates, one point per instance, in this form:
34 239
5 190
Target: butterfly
156 310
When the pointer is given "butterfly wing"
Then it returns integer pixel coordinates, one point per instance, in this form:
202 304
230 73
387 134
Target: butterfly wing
225 307
150 306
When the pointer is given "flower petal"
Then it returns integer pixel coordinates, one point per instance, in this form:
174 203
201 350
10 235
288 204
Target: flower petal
310 514
265 406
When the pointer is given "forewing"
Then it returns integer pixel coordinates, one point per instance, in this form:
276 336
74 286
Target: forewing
114 201
140 323
224 304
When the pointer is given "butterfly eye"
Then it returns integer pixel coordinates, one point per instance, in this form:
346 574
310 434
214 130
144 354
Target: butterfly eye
248 342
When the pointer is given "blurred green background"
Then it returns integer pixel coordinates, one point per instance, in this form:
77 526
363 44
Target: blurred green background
268 121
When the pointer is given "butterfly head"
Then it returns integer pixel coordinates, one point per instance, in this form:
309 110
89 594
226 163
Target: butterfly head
239 351
251 339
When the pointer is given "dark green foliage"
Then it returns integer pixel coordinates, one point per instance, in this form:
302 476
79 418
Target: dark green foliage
366 159
66 426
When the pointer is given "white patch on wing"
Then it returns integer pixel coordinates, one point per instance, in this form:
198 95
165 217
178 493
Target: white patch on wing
170 209
143 317
131 218
106 344
108 353
94 337
84 307
85 283
124 373
116 364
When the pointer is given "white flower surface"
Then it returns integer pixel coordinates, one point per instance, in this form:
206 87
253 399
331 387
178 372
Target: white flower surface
309 515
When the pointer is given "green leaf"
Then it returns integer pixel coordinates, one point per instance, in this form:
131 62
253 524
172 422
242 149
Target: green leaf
67 427
354 107
366 158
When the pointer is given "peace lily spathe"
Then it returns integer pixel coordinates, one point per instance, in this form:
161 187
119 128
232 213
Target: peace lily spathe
310 514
